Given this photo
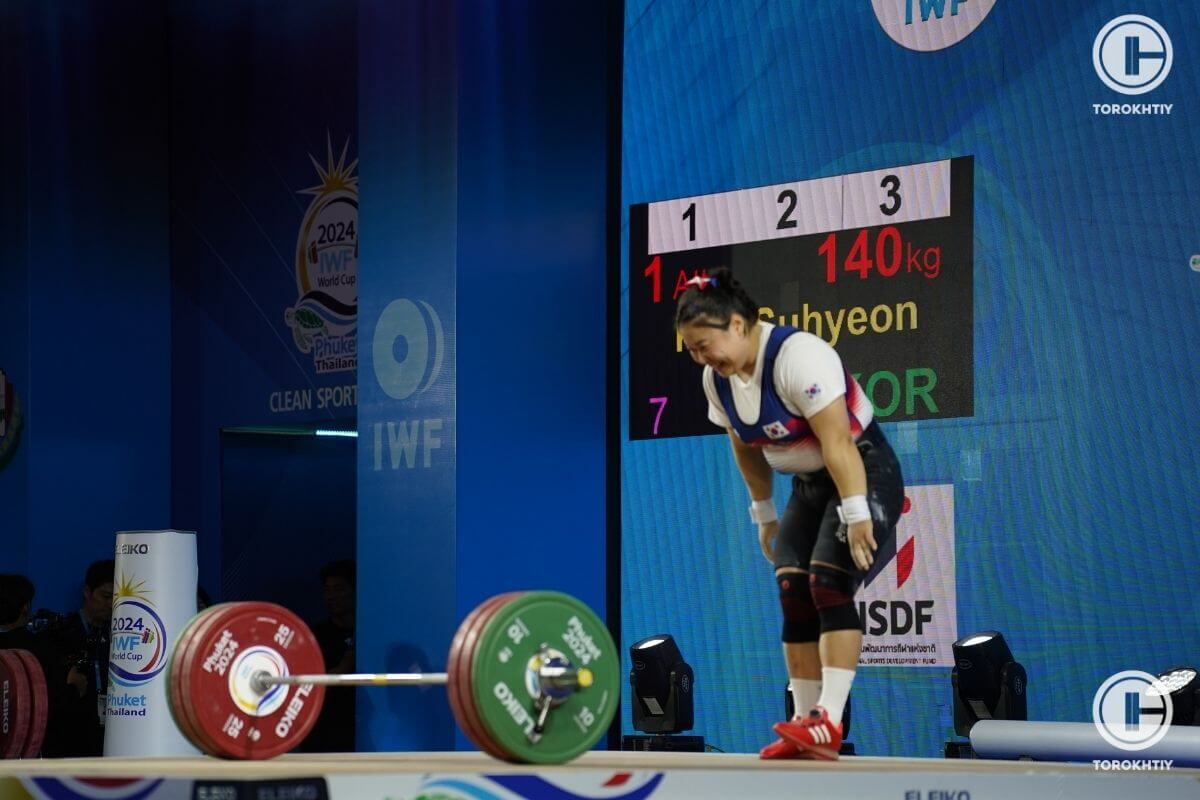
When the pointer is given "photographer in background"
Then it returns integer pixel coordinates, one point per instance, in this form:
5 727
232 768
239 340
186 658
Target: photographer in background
74 648
16 599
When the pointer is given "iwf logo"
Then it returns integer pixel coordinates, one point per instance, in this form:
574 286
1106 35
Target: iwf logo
138 641
407 348
325 316
927 25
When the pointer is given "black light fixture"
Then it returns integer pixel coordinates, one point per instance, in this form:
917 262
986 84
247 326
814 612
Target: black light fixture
661 683
988 683
1184 685
662 686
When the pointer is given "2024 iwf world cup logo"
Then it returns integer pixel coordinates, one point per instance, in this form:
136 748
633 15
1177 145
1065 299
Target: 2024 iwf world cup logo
138 639
325 317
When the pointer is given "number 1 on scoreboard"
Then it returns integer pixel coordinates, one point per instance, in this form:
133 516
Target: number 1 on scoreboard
654 271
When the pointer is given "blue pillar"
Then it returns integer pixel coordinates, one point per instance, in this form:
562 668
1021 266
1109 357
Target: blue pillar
482 390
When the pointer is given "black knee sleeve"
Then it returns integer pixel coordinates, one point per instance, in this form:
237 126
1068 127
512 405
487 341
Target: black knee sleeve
801 623
833 595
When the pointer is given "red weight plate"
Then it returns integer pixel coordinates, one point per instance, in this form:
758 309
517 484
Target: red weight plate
460 679
452 675
14 706
466 663
39 703
182 657
239 642
178 672
459 675
466 685
213 616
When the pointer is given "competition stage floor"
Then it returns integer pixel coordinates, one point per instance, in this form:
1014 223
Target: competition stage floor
598 775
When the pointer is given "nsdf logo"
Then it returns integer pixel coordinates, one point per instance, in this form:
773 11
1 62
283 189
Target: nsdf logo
907 602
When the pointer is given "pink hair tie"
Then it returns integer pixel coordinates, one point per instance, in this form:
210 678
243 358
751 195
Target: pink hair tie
701 282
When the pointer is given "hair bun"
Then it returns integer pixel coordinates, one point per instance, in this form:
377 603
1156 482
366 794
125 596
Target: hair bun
722 278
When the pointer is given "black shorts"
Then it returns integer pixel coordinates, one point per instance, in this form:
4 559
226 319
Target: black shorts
810 530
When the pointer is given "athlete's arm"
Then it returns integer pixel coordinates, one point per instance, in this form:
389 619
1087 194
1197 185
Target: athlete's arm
759 478
831 425
751 462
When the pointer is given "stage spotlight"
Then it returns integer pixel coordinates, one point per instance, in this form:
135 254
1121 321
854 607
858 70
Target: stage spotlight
662 686
987 683
1184 685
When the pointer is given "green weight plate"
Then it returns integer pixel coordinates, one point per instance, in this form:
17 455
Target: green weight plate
505 682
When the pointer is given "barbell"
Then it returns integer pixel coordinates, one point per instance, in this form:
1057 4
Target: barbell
531 677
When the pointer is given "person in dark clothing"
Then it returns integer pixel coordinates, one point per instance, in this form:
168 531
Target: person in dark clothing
334 730
16 600
74 653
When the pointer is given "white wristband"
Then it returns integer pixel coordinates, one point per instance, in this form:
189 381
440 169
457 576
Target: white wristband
763 511
854 509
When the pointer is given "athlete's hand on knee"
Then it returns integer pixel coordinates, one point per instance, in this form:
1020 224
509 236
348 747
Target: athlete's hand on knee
767 531
861 538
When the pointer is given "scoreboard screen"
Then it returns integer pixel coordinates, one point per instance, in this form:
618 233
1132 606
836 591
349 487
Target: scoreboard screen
877 263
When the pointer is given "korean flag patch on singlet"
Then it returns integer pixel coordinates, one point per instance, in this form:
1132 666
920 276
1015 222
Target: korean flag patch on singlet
776 430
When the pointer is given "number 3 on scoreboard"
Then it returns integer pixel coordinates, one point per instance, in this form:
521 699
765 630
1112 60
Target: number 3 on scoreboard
663 404
892 184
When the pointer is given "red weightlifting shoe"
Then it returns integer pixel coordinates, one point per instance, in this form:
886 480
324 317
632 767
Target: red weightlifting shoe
782 748
814 734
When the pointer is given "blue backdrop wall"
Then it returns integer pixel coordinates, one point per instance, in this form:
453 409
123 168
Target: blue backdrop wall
190 200
1064 498
482 390
269 506
84 324
263 113
14 290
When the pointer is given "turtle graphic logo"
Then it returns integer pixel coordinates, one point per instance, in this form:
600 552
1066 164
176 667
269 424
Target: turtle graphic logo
325 316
